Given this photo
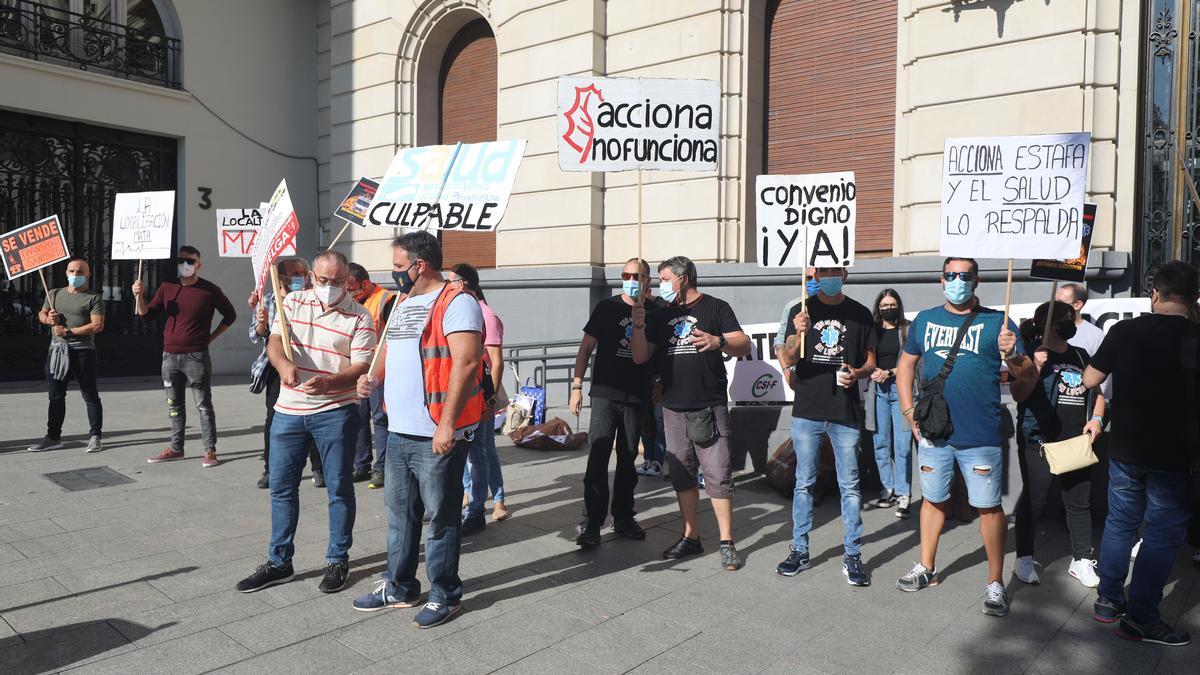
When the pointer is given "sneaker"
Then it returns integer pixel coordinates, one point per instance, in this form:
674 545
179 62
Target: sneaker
683 548
730 559
1133 553
1158 633
500 512
165 456
94 444
700 480
44 445
318 478
650 468
589 537
796 563
376 481
360 475
334 579
1107 611
265 576
885 500
902 504
853 569
210 459
379 599
995 601
264 481
473 524
1026 570
628 528
1085 571
433 614
919 577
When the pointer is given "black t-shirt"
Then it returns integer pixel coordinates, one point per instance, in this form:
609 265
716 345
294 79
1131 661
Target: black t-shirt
837 334
614 375
1073 407
691 379
1143 356
887 347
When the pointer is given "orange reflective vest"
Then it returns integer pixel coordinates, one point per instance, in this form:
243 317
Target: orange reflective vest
374 304
436 365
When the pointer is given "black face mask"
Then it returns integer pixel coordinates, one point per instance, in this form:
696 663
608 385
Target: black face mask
404 283
891 314
1065 328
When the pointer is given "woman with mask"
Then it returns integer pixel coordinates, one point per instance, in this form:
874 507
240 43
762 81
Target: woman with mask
892 435
1055 407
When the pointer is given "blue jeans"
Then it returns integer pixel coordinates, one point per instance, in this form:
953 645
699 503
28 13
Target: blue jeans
806 439
333 432
483 468
1159 500
655 447
893 436
979 466
372 432
417 480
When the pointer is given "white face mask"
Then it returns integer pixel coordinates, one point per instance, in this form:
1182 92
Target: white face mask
328 294
185 270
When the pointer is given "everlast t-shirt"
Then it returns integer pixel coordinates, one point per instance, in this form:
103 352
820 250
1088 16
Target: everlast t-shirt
837 334
615 376
691 379
1066 419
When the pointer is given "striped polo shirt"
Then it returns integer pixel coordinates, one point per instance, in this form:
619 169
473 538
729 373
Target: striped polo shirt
324 341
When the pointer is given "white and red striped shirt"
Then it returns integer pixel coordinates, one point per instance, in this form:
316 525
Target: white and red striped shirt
325 340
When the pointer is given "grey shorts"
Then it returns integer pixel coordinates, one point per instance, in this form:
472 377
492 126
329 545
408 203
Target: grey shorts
684 457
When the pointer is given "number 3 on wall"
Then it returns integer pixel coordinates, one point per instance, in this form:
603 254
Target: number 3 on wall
205 202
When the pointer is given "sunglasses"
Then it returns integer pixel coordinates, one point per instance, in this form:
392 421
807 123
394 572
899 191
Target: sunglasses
965 276
630 276
186 261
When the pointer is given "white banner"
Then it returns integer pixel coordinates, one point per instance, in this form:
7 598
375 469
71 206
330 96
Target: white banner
805 221
142 225
1014 196
618 124
462 187
279 229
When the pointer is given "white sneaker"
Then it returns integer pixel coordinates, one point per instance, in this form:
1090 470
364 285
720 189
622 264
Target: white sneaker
1085 571
1134 552
94 444
1026 570
650 469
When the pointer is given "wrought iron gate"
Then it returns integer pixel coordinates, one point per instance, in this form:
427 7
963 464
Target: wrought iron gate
55 167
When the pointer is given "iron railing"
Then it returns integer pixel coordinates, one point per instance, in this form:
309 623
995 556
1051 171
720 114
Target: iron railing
545 364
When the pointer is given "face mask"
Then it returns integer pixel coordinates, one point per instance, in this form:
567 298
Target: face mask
1065 328
327 294
958 291
631 288
362 292
831 285
891 314
296 284
404 283
185 270
813 286
667 292
76 281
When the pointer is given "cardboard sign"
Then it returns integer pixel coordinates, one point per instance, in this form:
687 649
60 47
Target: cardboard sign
464 187
30 248
1074 269
237 231
618 124
278 232
1014 196
805 221
353 208
758 377
142 225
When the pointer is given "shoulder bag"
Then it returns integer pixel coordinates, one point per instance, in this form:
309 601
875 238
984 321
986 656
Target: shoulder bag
932 413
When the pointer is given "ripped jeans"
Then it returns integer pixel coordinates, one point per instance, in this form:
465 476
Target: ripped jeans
979 465
192 370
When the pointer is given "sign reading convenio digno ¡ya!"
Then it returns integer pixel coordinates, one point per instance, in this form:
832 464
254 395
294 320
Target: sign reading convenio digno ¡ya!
805 220
619 124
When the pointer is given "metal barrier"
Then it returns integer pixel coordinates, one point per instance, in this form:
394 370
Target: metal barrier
552 363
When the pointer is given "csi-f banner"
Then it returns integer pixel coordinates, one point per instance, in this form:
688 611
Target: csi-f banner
1014 196
237 232
142 225
618 124
464 187
279 230
757 377
30 248
805 221
1074 269
353 208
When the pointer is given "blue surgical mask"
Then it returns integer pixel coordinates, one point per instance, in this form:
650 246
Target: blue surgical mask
631 288
813 286
296 284
667 292
958 291
76 281
830 285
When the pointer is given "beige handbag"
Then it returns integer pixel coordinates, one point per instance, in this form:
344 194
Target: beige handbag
1069 455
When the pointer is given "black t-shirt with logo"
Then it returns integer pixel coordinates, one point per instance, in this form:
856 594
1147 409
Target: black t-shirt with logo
837 334
691 379
1067 417
614 375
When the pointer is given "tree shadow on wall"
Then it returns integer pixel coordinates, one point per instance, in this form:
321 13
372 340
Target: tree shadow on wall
1000 7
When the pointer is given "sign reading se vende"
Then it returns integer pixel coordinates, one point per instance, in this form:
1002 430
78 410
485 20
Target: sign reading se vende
619 124
806 220
30 248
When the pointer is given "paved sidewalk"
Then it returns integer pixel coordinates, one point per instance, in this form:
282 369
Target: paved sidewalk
139 577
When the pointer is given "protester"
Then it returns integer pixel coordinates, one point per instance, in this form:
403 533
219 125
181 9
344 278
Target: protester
293 276
483 472
691 337
620 395
1055 407
75 314
372 430
812 287
1150 450
827 362
972 394
890 431
188 306
1087 336
332 339
432 387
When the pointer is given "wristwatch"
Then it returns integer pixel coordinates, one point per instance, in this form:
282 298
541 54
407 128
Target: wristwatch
720 342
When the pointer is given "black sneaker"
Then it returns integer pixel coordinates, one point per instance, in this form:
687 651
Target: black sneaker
1158 633
683 548
796 563
885 500
318 478
1107 611
335 577
376 480
360 475
628 528
589 537
730 559
473 524
265 576
264 481
853 569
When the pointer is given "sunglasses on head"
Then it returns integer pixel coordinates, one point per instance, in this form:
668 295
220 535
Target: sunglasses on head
630 276
965 276
186 261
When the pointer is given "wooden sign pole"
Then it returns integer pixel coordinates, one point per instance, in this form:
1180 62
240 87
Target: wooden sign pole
641 297
803 307
1007 297
42 276
333 243
283 327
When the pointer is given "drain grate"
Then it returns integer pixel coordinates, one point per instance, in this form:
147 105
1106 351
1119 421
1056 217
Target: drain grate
89 478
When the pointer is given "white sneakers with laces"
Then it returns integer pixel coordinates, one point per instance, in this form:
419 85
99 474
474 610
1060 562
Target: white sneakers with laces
1026 570
1085 571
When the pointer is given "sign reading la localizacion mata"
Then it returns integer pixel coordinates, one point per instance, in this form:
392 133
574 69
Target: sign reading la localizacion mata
142 225
806 220
619 124
1014 196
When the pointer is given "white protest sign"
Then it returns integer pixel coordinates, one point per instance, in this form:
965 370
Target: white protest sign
278 232
757 377
462 187
142 225
806 220
618 124
1014 196
237 231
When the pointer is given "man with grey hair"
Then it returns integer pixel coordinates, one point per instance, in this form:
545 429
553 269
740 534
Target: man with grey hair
332 341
